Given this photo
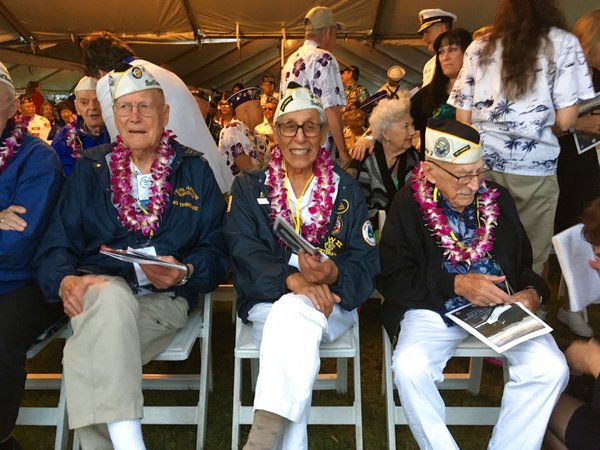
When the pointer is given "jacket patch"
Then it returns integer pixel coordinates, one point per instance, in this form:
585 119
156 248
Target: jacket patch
339 224
368 234
331 246
186 191
343 208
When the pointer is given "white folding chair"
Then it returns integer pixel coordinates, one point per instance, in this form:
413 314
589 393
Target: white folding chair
471 348
48 416
198 327
344 348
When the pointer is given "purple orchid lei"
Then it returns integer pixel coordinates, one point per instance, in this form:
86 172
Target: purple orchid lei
321 204
437 222
120 183
73 141
17 126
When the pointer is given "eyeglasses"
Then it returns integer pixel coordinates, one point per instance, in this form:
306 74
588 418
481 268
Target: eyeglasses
268 108
125 109
290 129
463 179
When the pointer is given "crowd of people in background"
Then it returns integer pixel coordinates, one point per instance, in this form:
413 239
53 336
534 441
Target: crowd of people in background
477 168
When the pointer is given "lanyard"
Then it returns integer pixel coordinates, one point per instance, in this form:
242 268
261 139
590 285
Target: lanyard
296 219
452 235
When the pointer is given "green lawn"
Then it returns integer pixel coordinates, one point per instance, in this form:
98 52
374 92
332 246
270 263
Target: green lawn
320 437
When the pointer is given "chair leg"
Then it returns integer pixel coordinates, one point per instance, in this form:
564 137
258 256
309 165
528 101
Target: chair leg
205 368
475 370
341 378
390 404
237 396
62 428
357 391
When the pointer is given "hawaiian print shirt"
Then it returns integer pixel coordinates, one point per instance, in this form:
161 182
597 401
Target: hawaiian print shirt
355 94
464 225
517 135
317 70
237 139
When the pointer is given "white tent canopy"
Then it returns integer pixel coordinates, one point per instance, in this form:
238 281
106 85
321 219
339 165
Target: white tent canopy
215 44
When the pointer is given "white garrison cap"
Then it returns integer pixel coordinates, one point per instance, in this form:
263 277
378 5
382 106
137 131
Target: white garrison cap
5 77
298 98
86 84
452 142
132 79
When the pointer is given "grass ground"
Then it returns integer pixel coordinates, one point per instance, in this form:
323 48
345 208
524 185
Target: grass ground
320 437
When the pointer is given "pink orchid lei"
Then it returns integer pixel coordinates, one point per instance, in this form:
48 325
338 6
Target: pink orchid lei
437 222
321 204
120 182
17 127
73 141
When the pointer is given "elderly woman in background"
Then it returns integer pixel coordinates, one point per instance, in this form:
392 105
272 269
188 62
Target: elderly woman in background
30 182
382 173
296 300
147 192
431 101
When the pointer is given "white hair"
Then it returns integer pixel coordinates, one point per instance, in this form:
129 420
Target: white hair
388 112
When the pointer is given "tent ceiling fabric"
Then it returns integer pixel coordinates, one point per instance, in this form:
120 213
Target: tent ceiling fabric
376 35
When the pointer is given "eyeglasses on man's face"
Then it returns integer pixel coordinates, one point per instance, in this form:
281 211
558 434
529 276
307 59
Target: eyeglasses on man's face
463 179
290 129
125 109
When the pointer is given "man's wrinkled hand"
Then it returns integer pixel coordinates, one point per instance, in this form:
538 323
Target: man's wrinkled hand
163 277
10 218
318 272
319 294
72 290
481 290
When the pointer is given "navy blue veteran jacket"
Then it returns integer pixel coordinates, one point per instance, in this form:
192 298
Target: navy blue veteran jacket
85 218
260 264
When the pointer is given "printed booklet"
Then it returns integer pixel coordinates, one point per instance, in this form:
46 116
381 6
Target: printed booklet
500 327
133 256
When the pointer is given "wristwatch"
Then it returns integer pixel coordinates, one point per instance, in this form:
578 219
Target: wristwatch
188 273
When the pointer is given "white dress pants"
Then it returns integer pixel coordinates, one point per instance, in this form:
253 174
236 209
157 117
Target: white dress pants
538 374
289 333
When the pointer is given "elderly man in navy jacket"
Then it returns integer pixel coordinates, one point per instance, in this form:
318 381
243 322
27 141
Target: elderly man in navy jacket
148 192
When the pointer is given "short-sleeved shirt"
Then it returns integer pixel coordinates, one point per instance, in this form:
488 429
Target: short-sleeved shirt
517 134
356 94
317 70
237 139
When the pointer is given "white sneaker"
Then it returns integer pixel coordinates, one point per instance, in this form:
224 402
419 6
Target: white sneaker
574 321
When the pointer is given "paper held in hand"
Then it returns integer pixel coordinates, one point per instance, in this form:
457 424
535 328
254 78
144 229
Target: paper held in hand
294 241
500 327
133 256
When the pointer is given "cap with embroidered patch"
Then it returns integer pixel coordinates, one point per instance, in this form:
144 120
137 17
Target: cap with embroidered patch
127 79
5 77
452 142
428 17
298 98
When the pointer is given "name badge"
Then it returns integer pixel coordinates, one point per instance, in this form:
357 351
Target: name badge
144 183
262 201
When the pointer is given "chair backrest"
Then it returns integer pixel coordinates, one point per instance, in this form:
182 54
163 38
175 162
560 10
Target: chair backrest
573 254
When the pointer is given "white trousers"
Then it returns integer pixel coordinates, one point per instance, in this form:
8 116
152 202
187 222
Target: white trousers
289 333
538 374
